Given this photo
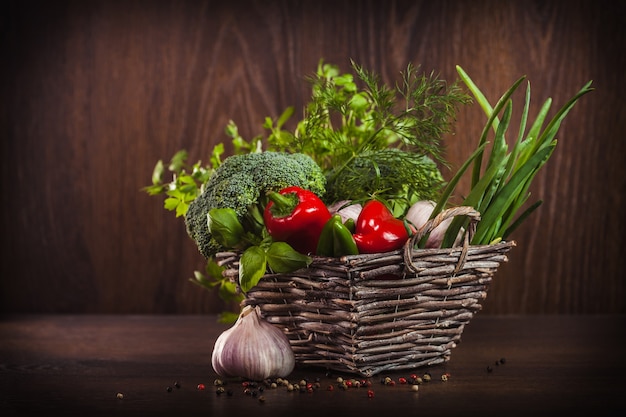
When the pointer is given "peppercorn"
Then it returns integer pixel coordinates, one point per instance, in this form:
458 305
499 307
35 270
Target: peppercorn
415 388
120 396
220 390
426 377
168 389
177 384
370 393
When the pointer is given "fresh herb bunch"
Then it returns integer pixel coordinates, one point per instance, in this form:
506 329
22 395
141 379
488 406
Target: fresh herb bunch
373 140
182 188
187 181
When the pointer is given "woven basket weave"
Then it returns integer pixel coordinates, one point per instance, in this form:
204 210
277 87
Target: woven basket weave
366 314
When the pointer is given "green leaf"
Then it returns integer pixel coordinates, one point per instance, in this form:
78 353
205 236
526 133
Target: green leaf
201 280
500 147
284 117
252 267
178 161
478 95
171 203
216 160
228 317
154 189
492 121
358 102
492 117
281 258
509 193
225 227
553 126
213 269
228 291
181 209
521 218
157 173
530 145
447 192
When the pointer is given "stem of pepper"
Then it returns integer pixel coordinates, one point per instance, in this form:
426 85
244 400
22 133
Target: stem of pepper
284 204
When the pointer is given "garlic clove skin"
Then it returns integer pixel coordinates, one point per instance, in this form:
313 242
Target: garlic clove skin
419 213
346 210
253 349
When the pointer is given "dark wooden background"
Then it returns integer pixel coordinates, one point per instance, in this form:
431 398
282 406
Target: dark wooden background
95 92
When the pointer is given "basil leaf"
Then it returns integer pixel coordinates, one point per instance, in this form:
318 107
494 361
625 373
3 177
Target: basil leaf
252 267
225 227
281 258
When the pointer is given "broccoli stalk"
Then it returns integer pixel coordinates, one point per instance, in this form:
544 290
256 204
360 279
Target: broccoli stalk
240 183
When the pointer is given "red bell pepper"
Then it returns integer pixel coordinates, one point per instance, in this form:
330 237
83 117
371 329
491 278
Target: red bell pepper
377 230
296 216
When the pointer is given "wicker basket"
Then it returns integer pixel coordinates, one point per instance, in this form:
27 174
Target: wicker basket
366 314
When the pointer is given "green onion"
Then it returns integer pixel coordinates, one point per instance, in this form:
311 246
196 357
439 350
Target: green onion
500 189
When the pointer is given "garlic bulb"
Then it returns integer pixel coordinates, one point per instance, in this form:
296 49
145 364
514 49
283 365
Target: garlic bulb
346 210
419 214
253 349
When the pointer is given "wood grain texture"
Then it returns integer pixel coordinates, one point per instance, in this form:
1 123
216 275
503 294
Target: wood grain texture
76 364
94 93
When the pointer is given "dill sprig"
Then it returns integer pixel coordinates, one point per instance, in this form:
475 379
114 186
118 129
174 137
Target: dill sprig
354 119
395 176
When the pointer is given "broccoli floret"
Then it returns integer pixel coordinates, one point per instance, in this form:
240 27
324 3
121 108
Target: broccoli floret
241 182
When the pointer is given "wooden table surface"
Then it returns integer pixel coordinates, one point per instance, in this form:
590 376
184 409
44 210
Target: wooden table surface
78 364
